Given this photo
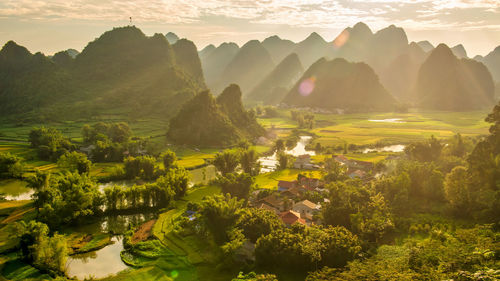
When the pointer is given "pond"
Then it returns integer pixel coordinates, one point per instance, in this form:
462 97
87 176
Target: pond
15 190
269 163
97 264
388 120
389 148
106 261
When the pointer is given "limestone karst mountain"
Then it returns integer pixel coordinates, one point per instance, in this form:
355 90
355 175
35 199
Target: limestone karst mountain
339 84
273 88
446 82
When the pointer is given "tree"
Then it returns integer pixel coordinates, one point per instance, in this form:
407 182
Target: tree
427 151
65 199
374 220
335 171
283 160
238 185
177 179
50 143
219 213
119 132
226 162
249 162
279 145
258 222
74 161
10 166
304 248
457 189
37 247
168 158
252 276
141 166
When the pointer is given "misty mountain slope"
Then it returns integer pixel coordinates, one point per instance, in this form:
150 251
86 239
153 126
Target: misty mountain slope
313 48
400 75
446 82
278 48
339 84
459 51
352 42
273 88
214 61
250 65
425 45
492 61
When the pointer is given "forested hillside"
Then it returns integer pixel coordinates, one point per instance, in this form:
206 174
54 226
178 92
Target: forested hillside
122 71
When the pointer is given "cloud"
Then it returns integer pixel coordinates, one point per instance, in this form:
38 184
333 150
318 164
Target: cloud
298 13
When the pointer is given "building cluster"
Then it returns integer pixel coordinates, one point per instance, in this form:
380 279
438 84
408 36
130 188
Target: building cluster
288 201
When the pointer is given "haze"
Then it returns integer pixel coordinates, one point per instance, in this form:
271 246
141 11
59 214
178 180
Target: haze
54 25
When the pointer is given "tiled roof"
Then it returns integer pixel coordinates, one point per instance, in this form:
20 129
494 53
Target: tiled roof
291 217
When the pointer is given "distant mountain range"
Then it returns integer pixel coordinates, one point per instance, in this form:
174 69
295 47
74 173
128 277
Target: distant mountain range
123 71
128 73
395 61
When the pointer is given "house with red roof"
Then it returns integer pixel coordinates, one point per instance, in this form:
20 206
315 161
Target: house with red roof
291 217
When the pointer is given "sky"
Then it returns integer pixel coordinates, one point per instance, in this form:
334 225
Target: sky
53 25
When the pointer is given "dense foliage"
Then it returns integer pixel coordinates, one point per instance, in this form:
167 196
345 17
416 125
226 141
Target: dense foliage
214 122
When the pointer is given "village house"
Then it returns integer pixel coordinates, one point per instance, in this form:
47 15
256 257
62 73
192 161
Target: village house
272 201
291 217
285 185
292 193
309 183
304 162
357 174
306 209
269 208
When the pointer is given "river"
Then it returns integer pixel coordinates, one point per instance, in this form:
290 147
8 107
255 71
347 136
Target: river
269 163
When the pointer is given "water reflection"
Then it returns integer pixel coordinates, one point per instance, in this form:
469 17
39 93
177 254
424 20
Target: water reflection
390 148
97 264
388 120
269 164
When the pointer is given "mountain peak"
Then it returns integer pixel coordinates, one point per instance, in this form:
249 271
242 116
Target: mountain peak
251 44
459 51
172 37
315 36
362 27
14 53
425 45
272 38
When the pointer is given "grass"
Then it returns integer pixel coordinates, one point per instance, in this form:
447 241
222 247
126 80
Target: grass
202 175
187 250
356 129
165 222
13 187
83 243
147 273
270 180
18 270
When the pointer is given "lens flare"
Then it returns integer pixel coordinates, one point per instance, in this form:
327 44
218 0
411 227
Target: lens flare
174 274
306 87
341 39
